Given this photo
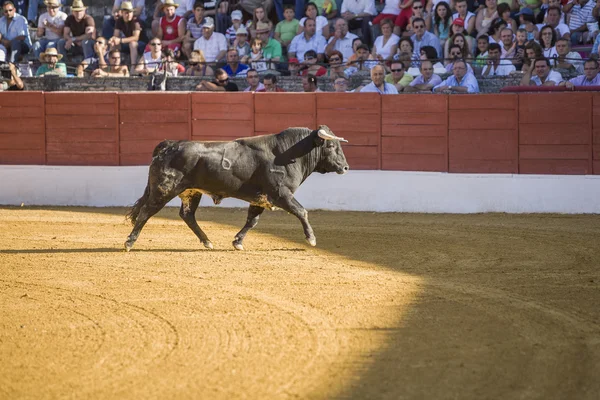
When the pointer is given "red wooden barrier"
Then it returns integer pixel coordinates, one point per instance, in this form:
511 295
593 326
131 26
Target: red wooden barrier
149 118
22 139
82 130
220 116
555 133
483 133
596 133
414 133
274 112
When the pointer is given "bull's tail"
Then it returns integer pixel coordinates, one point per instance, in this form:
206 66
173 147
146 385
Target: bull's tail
137 206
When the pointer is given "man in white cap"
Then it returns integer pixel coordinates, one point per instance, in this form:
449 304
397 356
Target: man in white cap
193 28
213 44
80 32
236 23
51 25
139 11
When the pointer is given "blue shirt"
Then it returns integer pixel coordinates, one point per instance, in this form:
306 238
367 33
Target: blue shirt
241 70
300 45
469 81
581 80
428 39
388 88
18 27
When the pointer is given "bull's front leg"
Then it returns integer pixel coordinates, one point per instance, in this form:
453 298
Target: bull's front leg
251 221
291 205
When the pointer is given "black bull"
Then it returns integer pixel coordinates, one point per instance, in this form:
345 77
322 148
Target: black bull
264 171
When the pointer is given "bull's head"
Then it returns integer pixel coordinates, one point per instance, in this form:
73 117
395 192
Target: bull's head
332 155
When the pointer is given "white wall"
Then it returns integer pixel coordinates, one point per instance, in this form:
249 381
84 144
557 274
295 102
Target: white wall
430 192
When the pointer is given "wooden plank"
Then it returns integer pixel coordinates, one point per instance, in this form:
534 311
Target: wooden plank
239 112
414 162
137 146
340 120
414 130
219 128
361 151
23 125
153 101
135 159
496 101
81 109
222 98
483 166
285 103
596 167
173 131
82 148
595 104
561 167
24 141
414 103
20 112
21 156
556 152
81 135
359 138
367 103
483 145
275 123
596 152
80 159
554 107
482 119
21 99
425 118
413 145
87 122
596 135
572 133
78 99
154 116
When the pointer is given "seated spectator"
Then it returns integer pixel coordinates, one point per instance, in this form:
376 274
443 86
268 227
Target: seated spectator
127 33
358 15
406 60
486 17
504 14
590 76
385 46
171 28
481 54
429 53
310 67
327 8
544 76
418 12
363 61
221 83
527 22
51 26
259 15
271 48
341 40
520 48
355 43
307 40
14 33
151 60
183 10
340 85
405 45
494 31
98 60
50 64
309 84
270 84
139 12
508 46
233 66
398 76
293 66
15 82
391 11
554 20
253 80
336 65
236 24
197 65
378 83
321 24
548 41
495 65
467 18
459 40
461 81
567 59
581 15
79 34
425 82
193 29
171 65
213 44
422 38
241 43
457 26
442 20
533 51
256 59
114 68
456 54
285 31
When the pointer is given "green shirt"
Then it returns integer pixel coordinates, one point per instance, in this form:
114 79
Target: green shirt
272 49
287 30
320 3
406 79
59 70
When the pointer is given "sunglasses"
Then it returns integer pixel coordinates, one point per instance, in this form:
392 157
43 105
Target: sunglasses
397 70
155 44
418 8
223 80
309 58
335 59
418 26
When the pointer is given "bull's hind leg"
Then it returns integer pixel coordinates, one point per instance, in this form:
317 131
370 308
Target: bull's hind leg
190 199
291 205
147 210
253 216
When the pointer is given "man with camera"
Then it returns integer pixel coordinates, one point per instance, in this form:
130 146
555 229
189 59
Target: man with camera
10 77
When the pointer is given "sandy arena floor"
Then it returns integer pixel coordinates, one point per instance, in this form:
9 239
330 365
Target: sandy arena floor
390 306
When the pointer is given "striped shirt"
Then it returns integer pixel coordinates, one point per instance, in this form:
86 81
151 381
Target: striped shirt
581 15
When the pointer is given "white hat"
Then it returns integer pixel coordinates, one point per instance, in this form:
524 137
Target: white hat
236 15
241 30
208 23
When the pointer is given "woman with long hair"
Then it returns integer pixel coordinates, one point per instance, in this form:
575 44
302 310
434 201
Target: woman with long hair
259 15
495 30
442 20
312 11
197 65
406 45
533 51
486 16
504 14
548 42
460 41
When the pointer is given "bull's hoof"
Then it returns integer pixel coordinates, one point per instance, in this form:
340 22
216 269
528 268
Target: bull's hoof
312 241
128 246
238 246
208 244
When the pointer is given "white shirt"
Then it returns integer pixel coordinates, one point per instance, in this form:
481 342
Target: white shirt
504 68
58 20
320 23
259 87
152 63
550 53
385 51
300 45
344 45
359 6
391 7
552 76
388 88
211 47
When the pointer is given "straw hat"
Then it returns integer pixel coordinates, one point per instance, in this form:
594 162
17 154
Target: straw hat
169 3
262 27
78 6
50 52
52 3
126 6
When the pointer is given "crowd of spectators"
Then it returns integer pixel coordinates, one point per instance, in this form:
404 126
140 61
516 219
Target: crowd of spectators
405 45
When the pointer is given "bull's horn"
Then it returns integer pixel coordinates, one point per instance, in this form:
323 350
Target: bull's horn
327 136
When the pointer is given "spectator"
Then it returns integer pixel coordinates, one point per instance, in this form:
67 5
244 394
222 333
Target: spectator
293 66
183 10
80 32
271 48
461 81
256 59
532 52
253 81
340 85
481 50
508 46
241 42
590 76
495 65
542 16
308 40
418 11
321 23
193 29
213 44
355 43
425 82
553 17
108 25
405 45
15 82
233 66
442 19
567 59
285 31
460 40
327 8
298 10
98 60
171 28
114 68
455 55
494 31
385 46
236 24
378 83
341 40
544 76
457 26
50 64
51 25
151 60
548 42
358 14
270 84
221 15
309 65
398 76
467 17
127 33
527 21
336 65
259 15
363 61
221 83
504 15
197 65
309 84
14 33
485 17
581 15
171 65
428 53
422 38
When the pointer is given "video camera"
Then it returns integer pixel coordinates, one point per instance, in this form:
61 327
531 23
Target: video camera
5 72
